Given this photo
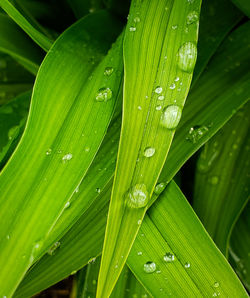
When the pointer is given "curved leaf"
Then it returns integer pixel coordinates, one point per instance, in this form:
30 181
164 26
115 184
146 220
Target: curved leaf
58 145
221 178
243 5
156 84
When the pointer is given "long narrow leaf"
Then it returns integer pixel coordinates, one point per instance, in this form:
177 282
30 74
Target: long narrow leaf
63 114
221 178
42 40
156 84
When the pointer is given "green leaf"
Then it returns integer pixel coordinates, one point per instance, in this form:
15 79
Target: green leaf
156 84
186 261
243 5
84 240
12 121
127 285
221 179
14 79
58 145
218 17
32 29
239 247
15 42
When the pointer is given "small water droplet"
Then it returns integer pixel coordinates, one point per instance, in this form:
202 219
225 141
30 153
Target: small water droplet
49 151
73 272
92 260
139 108
172 86
139 222
159 188
137 20
158 90
149 267
149 151
196 133
187 265
171 116
216 284
177 79
13 132
67 157
213 180
87 149
168 257
98 190
192 17
77 188
132 29
174 27
139 253
67 205
108 71
158 107
186 56
161 97
138 196
53 248
104 94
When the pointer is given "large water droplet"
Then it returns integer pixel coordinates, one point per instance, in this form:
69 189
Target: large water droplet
138 196
171 116
149 151
186 56
168 257
196 133
192 17
104 94
159 188
149 267
108 71
53 248
67 157
158 90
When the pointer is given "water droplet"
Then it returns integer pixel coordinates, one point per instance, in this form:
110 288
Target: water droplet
177 79
67 205
13 132
139 253
98 190
149 151
77 188
139 108
161 97
171 116
49 151
132 29
67 157
192 17
108 71
36 249
174 27
92 260
213 180
158 107
196 133
149 267
87 149
159 188
187 55
104 94
216 284
137 20
187 265
172 86
138 196
168 257
139 222
53 248
158 90
73 272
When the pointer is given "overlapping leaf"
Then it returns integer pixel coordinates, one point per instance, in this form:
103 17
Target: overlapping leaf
158 61
221 178
84 240
58 144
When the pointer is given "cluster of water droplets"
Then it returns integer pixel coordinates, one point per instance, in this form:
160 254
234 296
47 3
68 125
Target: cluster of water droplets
196 133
